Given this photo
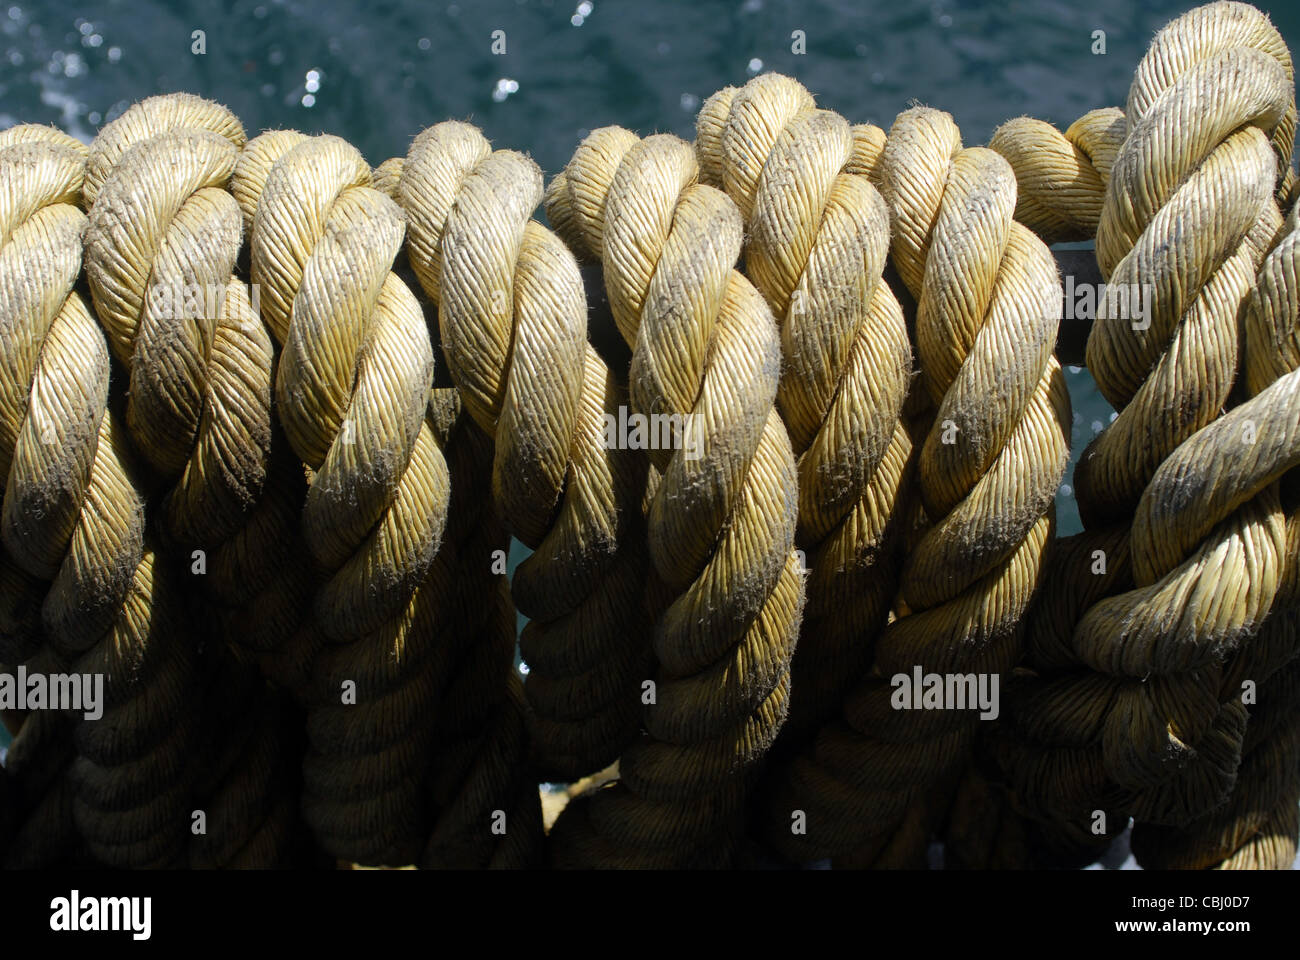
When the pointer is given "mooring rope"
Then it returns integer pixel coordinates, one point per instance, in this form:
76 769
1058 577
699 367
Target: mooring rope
161 244
1256 827
817 243
512 314
352 390
278 456
1205 591
73 519
1061 177
1064 763
720 525
988 306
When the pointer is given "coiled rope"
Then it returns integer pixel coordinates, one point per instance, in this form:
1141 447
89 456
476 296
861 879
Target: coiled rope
513 323
720 526
988 306
1132 702
73 520
817 242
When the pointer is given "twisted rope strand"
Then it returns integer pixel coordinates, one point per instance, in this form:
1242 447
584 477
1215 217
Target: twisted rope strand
352 389
512 315
720 526
818 240
988 306
1214 93
73 519
161 244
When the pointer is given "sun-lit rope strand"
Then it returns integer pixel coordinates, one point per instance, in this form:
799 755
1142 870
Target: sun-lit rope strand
1037 795
160 263
353 390
73 519
1061 177
512 314
988 307
1211 96
1256 828
161 244
720 524
817 242
1210 104
1069 774
484 773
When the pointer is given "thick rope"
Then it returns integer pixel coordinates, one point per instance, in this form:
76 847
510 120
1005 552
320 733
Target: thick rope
163 237
817 243
1132 700
513 323
1213 94
352 390
1062 757
163 227
74 522
1061 178
1175 220
720 526
484 805
988 306
1256 828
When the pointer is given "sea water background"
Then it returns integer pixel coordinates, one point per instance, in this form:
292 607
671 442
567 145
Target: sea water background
376 74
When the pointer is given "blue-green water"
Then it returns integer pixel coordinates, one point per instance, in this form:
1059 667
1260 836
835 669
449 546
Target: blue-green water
378 74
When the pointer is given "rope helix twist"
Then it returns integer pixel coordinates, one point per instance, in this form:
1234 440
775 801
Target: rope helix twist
720 525
352 390
1073 709
1061 178
1035 785
513 323
988 301
480 771
1256 827
817 243
482 721
161 244
290 435
1215 92
73 524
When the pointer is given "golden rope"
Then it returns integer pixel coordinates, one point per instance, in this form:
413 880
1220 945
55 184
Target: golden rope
352 391
1207 590
817 242
988 306
720 525
1161 684
73 520
513 322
